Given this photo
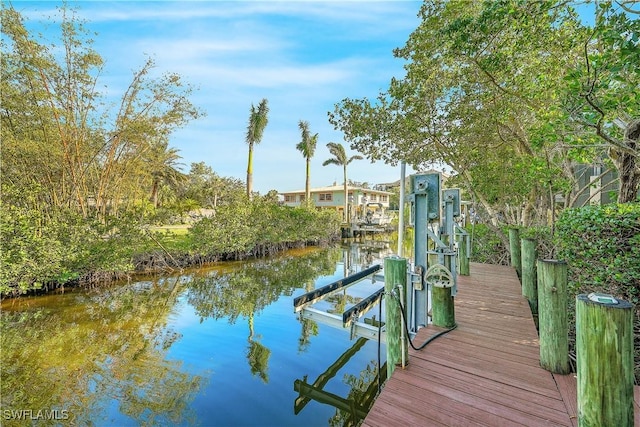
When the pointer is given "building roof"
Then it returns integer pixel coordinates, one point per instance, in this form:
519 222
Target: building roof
336 188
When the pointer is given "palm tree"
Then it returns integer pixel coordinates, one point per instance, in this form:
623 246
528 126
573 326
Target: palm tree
307 146
340 158
257 122
163 165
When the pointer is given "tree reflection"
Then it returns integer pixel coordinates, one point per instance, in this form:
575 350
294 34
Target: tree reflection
101 352
363 390
80 352
252 286
246 290
309 329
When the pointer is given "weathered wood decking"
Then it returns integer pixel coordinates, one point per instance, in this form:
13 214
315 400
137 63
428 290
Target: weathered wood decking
486 372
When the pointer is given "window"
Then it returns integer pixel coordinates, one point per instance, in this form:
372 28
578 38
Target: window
325 197
289 198
302 197
374 197
383 198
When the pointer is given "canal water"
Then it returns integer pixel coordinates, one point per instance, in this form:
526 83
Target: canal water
219 346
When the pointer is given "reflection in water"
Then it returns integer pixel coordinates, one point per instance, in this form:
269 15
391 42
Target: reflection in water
309 329
67 351
363 389
173 350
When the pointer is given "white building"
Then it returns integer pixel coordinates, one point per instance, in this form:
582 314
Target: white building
332 197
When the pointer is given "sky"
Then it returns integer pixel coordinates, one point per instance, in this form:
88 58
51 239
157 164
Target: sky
302 56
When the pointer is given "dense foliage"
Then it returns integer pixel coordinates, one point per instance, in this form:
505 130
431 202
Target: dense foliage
261 227
37 254
602 246
486 246
514 96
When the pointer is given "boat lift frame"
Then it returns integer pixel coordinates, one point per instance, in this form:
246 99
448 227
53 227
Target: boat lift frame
350 316
431 248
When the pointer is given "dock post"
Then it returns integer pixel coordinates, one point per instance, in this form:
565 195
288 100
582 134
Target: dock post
552 316
442 307
604 347
514 249
463 255
395 282
442 302
529 278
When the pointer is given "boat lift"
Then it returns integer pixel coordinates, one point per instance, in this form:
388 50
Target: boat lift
435 253
349 317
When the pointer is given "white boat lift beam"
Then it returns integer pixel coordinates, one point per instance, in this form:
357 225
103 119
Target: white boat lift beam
358 329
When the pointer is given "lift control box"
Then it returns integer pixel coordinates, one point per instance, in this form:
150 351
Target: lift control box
428 185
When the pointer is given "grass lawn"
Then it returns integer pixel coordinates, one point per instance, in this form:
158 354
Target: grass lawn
178 230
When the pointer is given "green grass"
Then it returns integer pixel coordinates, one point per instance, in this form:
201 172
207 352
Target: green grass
178 230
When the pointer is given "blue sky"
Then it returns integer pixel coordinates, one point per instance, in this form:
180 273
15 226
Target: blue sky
303 56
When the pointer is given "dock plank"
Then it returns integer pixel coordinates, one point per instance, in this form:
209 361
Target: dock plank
484 373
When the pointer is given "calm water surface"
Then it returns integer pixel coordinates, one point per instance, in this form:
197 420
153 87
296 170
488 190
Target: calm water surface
215 347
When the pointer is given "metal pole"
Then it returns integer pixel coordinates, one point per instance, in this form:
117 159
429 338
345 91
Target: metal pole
420 237
403 167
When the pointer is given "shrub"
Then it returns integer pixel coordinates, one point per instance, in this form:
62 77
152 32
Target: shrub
545 247
486 246
601 245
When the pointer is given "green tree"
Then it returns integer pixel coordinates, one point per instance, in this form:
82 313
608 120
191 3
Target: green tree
481 94
340 159
602 96
307 146
258 119
209 189
164 168
57 130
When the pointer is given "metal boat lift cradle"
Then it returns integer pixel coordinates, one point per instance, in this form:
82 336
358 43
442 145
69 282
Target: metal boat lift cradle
435 263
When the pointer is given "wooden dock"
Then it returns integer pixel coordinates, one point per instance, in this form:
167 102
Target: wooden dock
484 373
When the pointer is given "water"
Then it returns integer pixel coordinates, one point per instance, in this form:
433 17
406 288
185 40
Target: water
215 347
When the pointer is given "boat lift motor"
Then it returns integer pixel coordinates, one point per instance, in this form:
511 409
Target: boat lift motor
434 246
424 200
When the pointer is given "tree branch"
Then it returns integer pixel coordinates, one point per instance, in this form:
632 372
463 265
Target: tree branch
627 8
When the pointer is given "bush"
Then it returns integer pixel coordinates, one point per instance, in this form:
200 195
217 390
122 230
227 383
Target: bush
43 251
601 245
486 246
545 247
240 230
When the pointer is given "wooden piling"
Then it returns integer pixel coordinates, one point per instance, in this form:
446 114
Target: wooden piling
552 316
395 282
514 249
463 259
529 277
604 348
442 307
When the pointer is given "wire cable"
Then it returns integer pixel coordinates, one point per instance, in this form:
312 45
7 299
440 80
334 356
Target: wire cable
430 339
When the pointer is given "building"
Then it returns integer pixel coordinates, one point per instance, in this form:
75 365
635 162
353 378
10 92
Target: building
602 185
332 197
